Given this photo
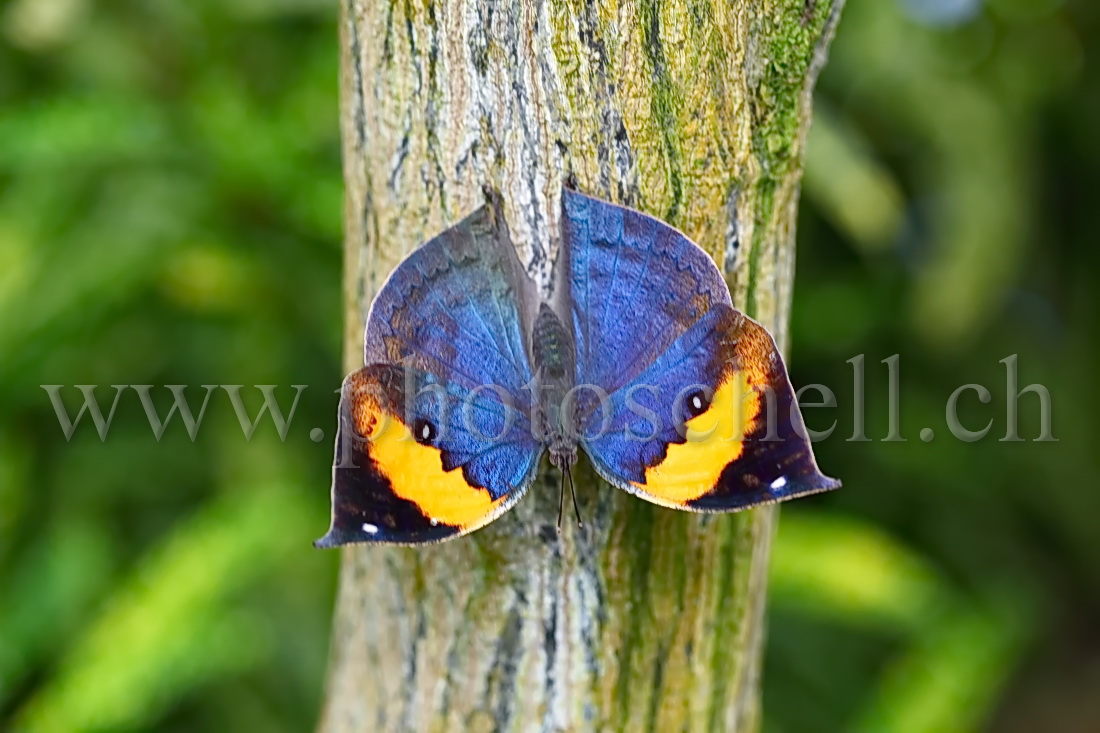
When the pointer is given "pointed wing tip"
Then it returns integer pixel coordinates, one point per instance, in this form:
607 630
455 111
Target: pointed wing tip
782 489
336 537
333 538
819 484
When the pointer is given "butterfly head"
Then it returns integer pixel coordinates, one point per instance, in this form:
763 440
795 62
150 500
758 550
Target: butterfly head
563 453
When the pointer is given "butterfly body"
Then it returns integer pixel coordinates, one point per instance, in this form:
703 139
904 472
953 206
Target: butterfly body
553 357
636 358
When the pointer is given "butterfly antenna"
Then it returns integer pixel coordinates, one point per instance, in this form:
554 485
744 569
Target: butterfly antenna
569 472
561 500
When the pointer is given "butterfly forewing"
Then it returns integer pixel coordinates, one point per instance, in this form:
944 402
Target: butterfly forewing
700 414
434 432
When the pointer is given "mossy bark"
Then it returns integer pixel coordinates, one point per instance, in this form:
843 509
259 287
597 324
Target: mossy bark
696 111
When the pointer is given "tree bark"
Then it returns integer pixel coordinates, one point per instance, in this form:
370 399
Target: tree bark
695 111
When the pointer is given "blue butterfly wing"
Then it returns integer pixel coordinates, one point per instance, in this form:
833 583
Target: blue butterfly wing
700 413
421 459
434 437
635 429
454 307
635 285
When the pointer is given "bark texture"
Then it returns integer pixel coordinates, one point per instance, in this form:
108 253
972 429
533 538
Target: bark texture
695 111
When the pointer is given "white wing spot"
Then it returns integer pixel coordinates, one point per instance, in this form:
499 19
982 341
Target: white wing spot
370 528
779 483
434 521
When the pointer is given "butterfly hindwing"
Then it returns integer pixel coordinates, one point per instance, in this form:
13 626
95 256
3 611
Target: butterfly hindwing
700 414
434 437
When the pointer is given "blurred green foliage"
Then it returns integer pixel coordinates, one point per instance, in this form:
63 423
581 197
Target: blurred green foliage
948 217
170 213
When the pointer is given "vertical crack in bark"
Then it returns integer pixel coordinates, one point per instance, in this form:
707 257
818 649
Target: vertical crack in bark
410 682
663 103
355 65
509 651
554 585
655 698
733 234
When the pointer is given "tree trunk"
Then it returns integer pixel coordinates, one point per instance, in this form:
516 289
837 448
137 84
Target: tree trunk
695 111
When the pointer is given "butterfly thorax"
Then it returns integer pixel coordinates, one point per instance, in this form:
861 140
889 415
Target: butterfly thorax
554 360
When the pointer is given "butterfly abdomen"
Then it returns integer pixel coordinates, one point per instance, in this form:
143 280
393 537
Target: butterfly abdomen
554 360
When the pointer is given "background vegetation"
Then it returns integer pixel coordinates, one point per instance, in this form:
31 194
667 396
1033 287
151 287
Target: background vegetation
170 201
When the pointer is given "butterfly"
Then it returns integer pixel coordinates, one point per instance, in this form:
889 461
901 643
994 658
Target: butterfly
637 357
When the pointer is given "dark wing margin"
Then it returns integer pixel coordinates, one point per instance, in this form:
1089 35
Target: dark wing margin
776 462
743 445
416 465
